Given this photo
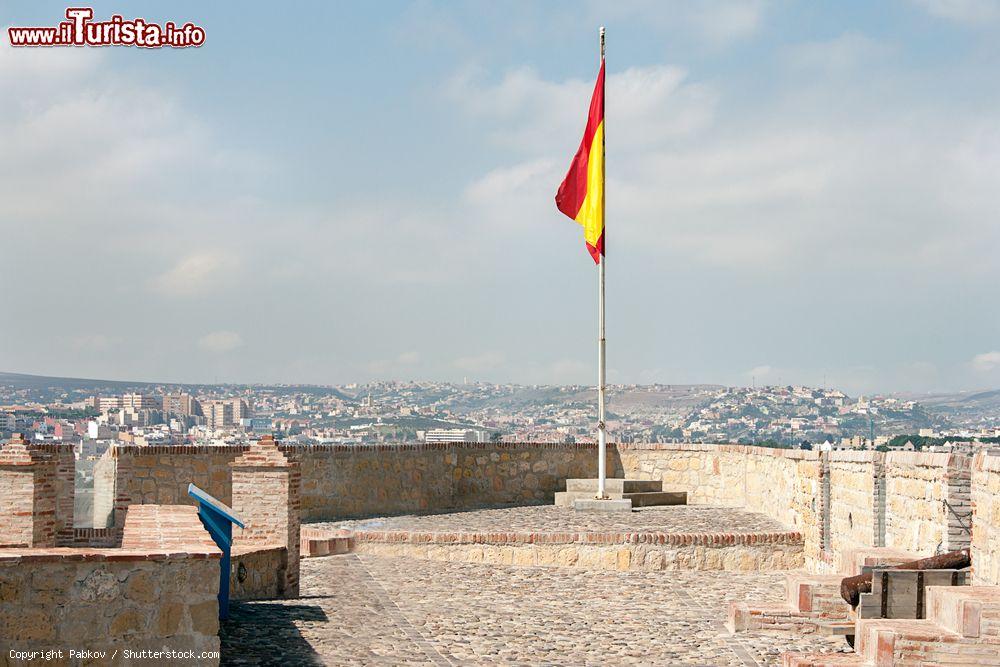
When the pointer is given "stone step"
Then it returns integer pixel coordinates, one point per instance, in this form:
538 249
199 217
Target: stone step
969 611
643 499
881 641
615 485
743 617
651 498
791 659
314 543
816 593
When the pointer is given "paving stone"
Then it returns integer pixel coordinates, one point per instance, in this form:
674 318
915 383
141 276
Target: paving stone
367 610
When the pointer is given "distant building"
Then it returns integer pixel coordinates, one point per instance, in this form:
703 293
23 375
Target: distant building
141 402
180 404
225 413
454 435
7 422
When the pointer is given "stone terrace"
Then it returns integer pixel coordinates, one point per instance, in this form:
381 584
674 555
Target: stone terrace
366 610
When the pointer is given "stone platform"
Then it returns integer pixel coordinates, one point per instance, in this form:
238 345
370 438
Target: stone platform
368 610
639 492
651 538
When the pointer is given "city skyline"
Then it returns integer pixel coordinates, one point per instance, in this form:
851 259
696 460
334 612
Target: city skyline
796 195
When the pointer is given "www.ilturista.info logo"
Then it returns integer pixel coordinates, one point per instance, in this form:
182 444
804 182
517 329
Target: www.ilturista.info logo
80 30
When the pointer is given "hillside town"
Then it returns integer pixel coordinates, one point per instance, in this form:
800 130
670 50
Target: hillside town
95 414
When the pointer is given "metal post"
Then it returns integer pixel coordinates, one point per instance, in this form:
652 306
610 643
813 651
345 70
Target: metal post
601 366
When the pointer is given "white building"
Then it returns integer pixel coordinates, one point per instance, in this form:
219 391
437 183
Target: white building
453 435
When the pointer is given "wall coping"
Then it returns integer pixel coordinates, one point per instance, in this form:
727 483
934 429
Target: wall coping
853 456
74 554
921 459
984 462
586 538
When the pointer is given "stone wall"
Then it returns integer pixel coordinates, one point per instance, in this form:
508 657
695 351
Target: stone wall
257 573
854 508
603 551
158 592
839 501
986 526
354 481
918 485
780 483
160 475
341 481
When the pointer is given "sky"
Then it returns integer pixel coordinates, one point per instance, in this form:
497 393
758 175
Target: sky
798 192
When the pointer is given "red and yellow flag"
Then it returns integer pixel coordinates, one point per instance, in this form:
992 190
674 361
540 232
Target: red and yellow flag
581 195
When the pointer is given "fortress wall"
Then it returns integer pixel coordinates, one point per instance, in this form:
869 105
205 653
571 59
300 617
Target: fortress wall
780 483
986 521
832 499
159 475
341 481
917 486
854 508
710 474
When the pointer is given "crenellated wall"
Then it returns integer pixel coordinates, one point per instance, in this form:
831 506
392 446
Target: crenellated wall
986 520
840 501
926 495
854 500
351 481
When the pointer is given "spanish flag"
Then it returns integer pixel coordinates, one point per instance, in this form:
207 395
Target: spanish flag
581 195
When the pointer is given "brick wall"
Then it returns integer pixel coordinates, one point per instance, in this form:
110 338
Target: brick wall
27 495
266 491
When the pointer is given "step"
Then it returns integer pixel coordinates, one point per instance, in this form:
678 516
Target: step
644 499
793 659
816 593
743 617
615 485
969 611
884 642
314 543
651 498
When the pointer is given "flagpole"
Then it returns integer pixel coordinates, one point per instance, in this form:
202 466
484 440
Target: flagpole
602 437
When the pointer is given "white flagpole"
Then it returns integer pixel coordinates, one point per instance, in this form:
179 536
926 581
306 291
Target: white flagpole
602 437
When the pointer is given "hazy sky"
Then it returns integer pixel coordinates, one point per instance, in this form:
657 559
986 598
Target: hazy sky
796 191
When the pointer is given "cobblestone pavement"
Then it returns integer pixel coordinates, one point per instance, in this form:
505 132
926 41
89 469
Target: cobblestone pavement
365 610
549 518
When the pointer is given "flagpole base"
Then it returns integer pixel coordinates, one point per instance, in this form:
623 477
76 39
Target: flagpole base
605 505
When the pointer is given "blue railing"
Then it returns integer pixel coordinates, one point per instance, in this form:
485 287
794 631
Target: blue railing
218 520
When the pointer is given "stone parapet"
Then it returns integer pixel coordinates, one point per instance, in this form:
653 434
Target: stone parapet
159 593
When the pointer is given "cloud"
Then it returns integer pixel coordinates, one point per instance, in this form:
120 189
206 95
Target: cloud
759 371
94 342
986 362
963 11
220 341
387 367
486 361
199 273
715 22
